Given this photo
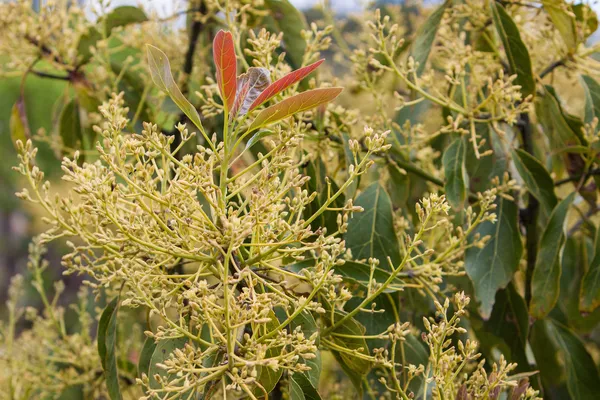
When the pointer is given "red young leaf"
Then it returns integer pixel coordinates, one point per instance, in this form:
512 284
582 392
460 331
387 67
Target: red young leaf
284 83
295 104
226 63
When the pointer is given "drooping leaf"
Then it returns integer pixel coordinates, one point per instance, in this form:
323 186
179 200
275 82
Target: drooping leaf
146 356
226 65
106 339
545 283
421 46
160 69
583 380
546 353
537 180
589 295
122 16
454 169
283 83
492 267
371 232
289 20
592 98
295 104
515 49
553 119
19 125
563 19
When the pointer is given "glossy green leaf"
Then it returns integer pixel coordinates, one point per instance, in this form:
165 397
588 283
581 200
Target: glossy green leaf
375 322
492 267
371 232
300 388
583 380
289 20
563 19
589 295
106 339
122 16
19 125
423 42
257 137
515 49
160 69
545 283
454 169
537 180
146 356
162 352
592 98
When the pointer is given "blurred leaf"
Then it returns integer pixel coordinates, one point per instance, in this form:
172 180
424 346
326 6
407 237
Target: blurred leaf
371 232
294 104
515 49
583 380
582 10
86 40
146 356
281 84
545 284
562 17
226 67
349 158
69 125
122 16
423 42
589 295
257 137
107 338
454 169
162 352
492 267
291 22
160 69
592 98
19 125
537 180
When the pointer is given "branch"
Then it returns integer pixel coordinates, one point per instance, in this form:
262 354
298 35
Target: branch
576 178
552 67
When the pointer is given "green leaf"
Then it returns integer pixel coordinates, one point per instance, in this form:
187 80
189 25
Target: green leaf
257 137
87 39
160 69
371 232
307 324
421 46
106 338
562 18
300 388
554 121
19 126
162 352
122 16
70 125
415 352
583 380
360 273
291 22
546 353
589 295
584 13
146 356
537 180
376 320
515 49
545 283
454 169
268 377
492 267
592 98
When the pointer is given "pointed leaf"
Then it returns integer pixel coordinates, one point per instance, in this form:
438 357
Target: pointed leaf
69 125
249 86
106 338
454 169
300 388
295 104
537 180
516 51
257 137
146 356
589 296
19 126
371 232
592 98
160 69
226 65
492 267
423 42
563 19
281 84
545 284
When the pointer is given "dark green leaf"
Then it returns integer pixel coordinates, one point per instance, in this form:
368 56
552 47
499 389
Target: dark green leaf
516 51
413 351
545 284
546 353
379 317
361 274
583 380
537 180
554 121
122 16
563 19
492 267
86 40
589 296
160 69
454 169
19 126
146 356
162 352
268 377
70 125
371 232
302 389
592 98
425 36
106 338
291 22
